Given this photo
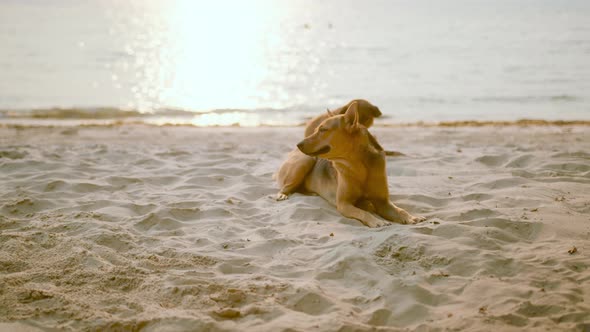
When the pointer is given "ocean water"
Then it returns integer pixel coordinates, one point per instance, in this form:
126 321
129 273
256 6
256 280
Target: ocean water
257 62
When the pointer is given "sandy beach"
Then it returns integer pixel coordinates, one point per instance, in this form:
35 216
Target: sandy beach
137 227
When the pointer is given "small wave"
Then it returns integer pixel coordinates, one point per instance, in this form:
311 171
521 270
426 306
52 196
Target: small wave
71 113
166 116
527 99
521 122
231 117
160 117
115 113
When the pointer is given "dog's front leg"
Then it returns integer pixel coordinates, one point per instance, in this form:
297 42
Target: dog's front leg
293 172
350 211
366 205
389 211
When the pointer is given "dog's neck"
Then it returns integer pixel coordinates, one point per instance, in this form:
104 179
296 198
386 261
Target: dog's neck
367 143
359 157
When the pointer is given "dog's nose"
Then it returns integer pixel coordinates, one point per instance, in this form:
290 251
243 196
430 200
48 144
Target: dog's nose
300 145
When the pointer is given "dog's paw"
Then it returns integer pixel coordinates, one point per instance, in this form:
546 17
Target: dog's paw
414 220
377 223
281 197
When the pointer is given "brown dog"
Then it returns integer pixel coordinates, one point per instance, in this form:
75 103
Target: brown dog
350 171
292 173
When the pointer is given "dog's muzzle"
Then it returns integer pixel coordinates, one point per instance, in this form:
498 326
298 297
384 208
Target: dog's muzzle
322 150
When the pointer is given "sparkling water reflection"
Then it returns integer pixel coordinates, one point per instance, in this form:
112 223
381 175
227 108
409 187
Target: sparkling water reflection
417 60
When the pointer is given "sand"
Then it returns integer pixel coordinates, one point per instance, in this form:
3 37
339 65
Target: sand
174 229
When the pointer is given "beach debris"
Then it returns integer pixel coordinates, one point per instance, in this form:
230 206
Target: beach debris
560 198
331 234
449 315
450 177
483 310
69 131
13 154
228 313
225 246
572 250
535 210
32 295
459 150
441 274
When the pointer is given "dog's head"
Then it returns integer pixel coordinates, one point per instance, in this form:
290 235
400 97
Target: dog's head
334 137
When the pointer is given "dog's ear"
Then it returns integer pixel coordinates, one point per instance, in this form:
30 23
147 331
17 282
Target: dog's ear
352 115
376 112
330 114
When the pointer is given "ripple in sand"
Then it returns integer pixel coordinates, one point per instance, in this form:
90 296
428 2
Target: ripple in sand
493 160
521 161
310 303
153 222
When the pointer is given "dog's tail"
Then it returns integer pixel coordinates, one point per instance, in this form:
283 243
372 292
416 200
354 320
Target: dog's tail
378 146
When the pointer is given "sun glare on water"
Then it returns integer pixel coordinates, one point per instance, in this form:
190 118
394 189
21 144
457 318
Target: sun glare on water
217 55
204 55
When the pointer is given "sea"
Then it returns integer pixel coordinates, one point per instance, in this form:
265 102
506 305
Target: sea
279 62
